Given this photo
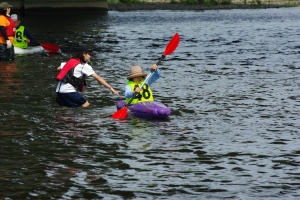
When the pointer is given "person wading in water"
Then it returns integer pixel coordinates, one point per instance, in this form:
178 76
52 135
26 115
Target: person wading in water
72 79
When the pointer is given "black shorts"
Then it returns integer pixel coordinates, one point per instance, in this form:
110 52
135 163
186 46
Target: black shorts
72 99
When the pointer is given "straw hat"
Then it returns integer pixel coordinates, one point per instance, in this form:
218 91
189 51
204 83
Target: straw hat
136 71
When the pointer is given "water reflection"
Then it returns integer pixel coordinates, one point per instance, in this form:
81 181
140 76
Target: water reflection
231 85
10 81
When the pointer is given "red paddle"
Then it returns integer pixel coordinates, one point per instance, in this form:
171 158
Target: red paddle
50 47
170 48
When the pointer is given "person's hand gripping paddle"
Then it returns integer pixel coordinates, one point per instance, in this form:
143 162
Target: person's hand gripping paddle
170 48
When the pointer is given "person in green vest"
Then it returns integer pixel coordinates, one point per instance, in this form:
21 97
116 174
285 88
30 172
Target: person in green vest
22 36
135 80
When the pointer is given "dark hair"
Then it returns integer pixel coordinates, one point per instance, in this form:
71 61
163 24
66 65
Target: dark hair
82 49
80 56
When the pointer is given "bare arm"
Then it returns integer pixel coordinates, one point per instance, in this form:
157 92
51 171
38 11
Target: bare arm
3 32
103 82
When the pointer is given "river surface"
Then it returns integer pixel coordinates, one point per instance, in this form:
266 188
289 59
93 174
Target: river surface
232 84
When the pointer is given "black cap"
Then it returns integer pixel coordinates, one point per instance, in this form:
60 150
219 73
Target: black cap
85 49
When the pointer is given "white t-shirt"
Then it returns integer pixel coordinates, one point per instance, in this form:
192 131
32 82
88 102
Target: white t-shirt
79 70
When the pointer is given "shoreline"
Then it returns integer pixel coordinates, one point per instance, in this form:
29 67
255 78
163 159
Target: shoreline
197 7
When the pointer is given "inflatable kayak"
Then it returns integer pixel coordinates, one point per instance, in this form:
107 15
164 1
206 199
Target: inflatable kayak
146 110
45 47
29 50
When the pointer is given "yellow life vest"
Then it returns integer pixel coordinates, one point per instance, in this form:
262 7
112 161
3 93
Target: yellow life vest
144 95
20 39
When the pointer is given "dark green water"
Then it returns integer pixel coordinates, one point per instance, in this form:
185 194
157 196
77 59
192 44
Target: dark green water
232 85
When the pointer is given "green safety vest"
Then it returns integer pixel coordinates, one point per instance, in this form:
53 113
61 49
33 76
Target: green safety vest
20 39
144 95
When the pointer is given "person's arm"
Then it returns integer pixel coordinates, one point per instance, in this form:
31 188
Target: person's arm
61 66
128 91
3 32
103 82
155 75
28 35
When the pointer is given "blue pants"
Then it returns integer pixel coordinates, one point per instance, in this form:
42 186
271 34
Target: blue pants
72 99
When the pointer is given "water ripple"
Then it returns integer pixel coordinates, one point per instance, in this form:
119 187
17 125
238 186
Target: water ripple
232 86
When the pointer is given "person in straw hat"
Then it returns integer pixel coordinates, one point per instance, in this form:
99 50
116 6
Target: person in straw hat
135 80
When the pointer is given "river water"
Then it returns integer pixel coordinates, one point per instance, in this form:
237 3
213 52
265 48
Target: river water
232 85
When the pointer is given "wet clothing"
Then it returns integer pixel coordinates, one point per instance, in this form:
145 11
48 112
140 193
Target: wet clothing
6 54
67 94
72 99
146 93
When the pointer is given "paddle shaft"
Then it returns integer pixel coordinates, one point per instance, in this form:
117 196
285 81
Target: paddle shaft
161 58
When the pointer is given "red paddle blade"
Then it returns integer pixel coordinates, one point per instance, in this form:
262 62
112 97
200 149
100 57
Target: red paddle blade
172 45
120 114
50 47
